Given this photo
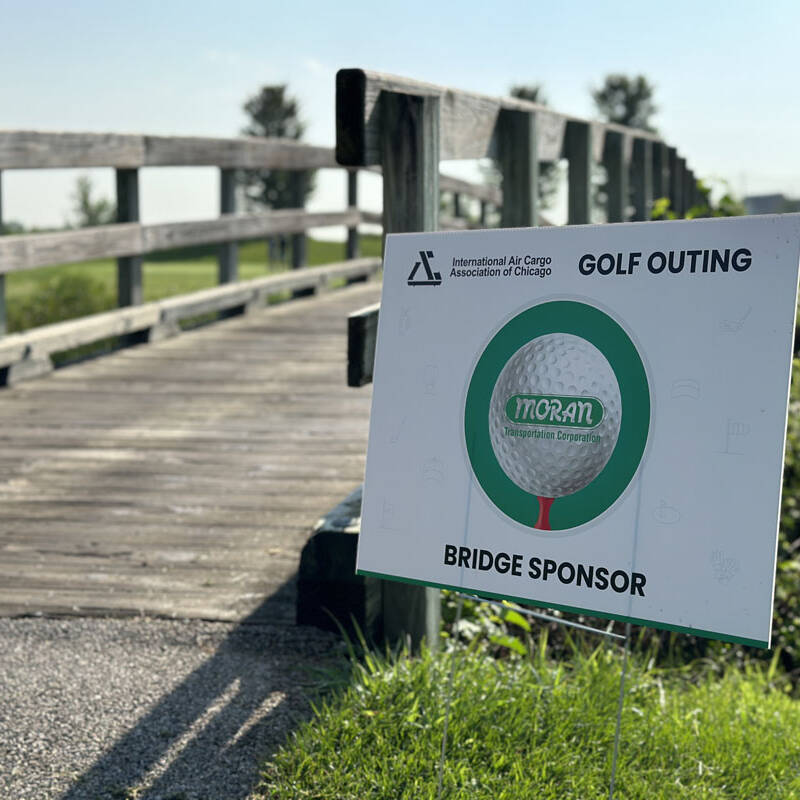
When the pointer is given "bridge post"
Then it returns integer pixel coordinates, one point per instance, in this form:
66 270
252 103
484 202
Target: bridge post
129 268
617 161
675 182
352 202
518 148
3 320
688 191
578 151
642 179
228 257
410 159
299 241
660 170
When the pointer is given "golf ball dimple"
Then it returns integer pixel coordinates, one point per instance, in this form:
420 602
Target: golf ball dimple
561 460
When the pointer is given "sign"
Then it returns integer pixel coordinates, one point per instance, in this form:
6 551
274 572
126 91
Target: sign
588 418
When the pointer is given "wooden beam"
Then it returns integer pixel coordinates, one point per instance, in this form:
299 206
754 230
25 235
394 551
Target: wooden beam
480 191
518 148
468 120
129 268
3 317
29 251
41 150
642 179
617 162
410 157
410 154
228 257
578 150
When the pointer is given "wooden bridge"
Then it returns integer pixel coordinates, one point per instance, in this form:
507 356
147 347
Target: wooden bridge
182 476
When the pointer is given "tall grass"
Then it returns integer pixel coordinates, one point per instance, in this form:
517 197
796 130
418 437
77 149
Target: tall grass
536 728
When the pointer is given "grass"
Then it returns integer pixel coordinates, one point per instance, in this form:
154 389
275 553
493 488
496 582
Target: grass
539 729
164 275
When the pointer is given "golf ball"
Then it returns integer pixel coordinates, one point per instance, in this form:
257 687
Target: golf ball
555 413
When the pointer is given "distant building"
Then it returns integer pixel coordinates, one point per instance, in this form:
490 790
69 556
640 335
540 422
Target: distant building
770 204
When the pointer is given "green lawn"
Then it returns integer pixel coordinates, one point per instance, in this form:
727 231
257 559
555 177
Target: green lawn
43 295
534 728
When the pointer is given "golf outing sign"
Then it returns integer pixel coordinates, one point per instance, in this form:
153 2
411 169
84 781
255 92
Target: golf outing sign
587 418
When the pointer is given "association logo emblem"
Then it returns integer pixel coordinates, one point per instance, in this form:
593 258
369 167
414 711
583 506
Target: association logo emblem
557 415
432 278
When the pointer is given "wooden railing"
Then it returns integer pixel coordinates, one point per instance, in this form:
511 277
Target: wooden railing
28 354
406 127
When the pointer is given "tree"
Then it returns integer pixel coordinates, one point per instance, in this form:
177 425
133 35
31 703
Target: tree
273 113
89 212
626 101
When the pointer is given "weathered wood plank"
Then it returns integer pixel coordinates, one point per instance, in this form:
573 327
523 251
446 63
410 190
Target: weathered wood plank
38 149
617 161
518 148
579 151
192 503
642 180
468 120
29 251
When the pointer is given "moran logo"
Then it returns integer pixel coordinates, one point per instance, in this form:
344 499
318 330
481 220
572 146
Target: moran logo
548 409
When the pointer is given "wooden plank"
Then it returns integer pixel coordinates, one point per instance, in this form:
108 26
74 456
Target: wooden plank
578 150
518 149
642 179
617 155
228 257
37 149
40 149
3 320
410 158
468 120
410 154
129 267
486 192
362 332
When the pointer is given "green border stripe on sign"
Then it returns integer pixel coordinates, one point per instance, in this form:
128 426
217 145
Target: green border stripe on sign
572 609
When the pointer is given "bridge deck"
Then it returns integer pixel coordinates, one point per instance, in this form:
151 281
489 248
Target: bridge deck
181 478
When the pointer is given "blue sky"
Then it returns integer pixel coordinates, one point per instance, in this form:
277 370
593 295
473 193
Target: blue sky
725 76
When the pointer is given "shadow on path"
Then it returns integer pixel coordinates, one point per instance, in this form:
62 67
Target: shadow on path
207 736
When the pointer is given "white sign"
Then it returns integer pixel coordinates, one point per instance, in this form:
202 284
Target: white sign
588 418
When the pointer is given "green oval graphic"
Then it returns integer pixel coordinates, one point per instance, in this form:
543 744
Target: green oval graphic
590 323
555 410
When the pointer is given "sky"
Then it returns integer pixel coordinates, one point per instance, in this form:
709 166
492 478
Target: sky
724 76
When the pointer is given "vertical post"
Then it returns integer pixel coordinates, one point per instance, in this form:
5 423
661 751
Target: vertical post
518 149
3 316
642 179
299 240
675 186
578 151
352 202
299 243
660 170
484 215
688 191
228 257
456 204
410 159
617 161
129 268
